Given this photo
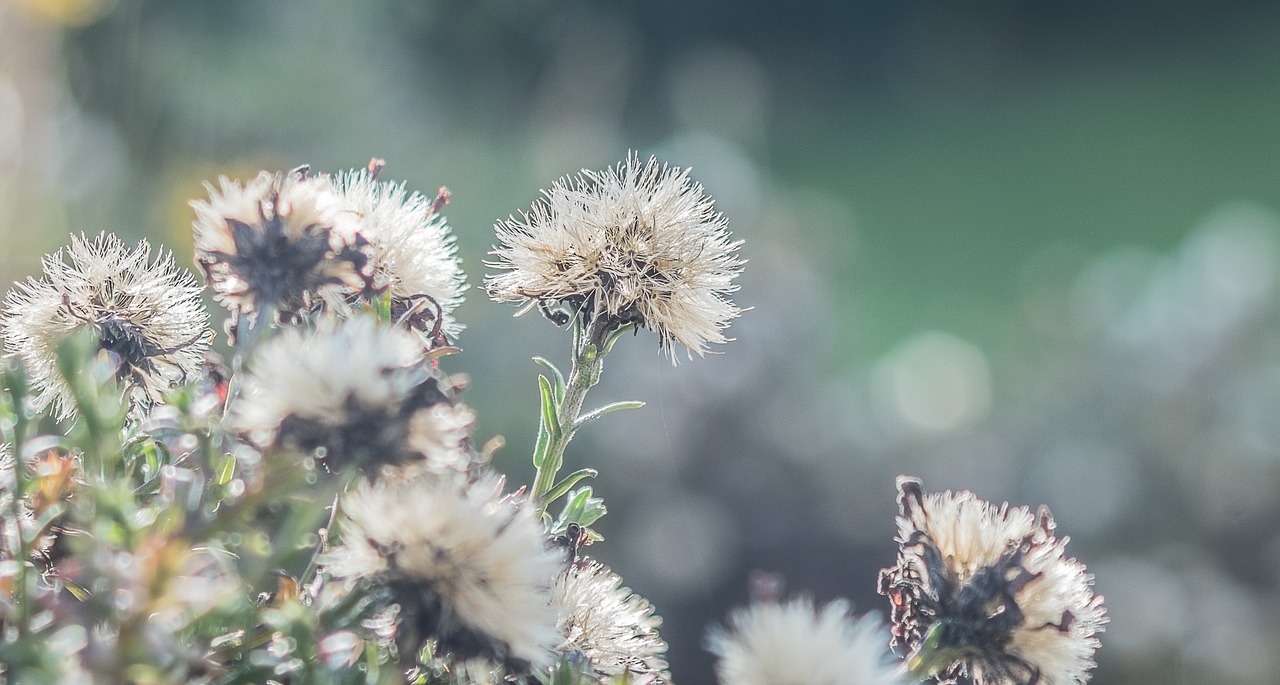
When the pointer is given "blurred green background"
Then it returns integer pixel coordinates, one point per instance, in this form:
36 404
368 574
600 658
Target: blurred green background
1029 249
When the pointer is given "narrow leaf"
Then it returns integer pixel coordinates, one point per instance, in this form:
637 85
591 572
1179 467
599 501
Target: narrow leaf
569 481
76 591
383 307
555 373
544 441
606 409
549 414
227 471
548 424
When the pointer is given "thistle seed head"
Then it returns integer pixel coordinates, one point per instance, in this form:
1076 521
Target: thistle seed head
638 244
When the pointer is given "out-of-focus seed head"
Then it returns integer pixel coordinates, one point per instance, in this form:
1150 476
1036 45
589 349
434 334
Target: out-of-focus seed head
360 390
468 568
772 643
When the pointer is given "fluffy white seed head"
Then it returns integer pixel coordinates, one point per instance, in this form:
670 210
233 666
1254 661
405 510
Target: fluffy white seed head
636 244
360 389
146 315
469 568
989 592
280 241
613 628
414 255
794 644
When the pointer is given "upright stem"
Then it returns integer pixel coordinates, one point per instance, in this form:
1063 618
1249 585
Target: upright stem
16 386
248 334
589 346
308 574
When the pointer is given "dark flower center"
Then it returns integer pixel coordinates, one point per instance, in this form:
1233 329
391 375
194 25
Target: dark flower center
128 346
275 268
429 614
368 435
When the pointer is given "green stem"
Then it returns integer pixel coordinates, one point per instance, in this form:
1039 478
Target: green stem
16 385
590 346
248 335
322 545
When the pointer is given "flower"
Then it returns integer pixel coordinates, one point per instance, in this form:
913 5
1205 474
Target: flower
278 243
414 253
467 568
614 629
986 594
636 244
359 389
779 644
146 315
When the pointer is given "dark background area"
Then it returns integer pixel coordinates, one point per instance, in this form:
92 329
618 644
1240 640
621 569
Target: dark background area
1028 249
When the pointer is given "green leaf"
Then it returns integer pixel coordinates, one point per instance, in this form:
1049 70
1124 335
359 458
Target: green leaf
157 455
563 674
582 509
555 373
550 413
549 423
146 454
576 503
540 448
382 307
227 471
606 409
569 481
592 512
616 336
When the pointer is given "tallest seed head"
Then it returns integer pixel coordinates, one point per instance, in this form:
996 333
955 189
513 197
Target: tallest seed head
639 244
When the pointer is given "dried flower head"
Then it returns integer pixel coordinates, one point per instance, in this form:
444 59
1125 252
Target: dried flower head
414 254
610 627
359 389
636 244
986 594
146 315
278 243
466 567
780 644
